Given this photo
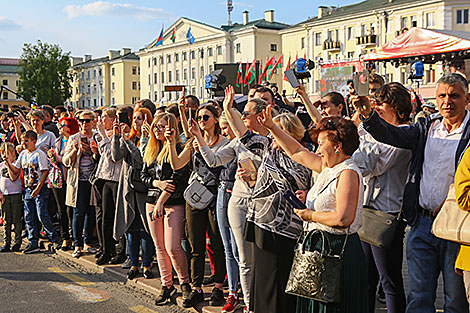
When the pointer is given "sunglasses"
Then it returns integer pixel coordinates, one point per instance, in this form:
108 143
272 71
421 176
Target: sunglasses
204 117
62 125
246 113
159 128
85 120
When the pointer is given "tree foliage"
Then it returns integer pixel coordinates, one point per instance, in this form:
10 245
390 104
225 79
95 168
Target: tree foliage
44 74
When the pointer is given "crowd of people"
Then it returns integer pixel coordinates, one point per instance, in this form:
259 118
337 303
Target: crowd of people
159 181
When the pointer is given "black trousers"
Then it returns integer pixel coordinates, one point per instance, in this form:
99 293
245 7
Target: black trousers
65 212
200 221
105 217
271 270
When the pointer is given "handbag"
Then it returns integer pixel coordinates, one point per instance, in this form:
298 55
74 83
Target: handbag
54 178
135 182
452 223
316 274
378 228
197 195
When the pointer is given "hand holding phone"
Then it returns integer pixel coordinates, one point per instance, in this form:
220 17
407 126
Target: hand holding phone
361 83
293 200
294 82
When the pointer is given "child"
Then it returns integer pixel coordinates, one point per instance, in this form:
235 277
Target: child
34 164
10 199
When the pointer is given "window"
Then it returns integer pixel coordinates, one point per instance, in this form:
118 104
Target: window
94 88
112 86
154 61
193 72
202 71
177 75
192 55
169 76
134 100
5 96
134 85
351 34
404 22
185 74
238 48
193 91
351 55
134 70
337 35
219 50
429 22
94 73
161 60
177 57
155 78
150 79
88 89
201 53
302 43
168 59
462 16
185 56
211 68
149 63
156 96
88 102
99 72
5 82
112 71
273 47
317 39
113 101
94 102
88 74
163 78
430 76
210 52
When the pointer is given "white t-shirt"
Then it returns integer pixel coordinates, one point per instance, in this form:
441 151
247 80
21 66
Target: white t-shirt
46 140
7 186
32 164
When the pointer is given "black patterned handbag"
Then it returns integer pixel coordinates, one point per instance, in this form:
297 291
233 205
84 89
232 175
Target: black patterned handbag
316 274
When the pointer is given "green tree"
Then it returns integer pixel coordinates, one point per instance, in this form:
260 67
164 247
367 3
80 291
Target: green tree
44 74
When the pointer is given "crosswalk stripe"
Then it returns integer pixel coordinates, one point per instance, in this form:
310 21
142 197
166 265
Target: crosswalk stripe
72 277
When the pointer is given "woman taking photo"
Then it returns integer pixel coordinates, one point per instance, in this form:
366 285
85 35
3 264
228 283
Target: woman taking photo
165 206
130 219
334 205
201 220
68 127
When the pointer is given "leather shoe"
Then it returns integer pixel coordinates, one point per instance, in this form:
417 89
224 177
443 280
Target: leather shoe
118 259
103 259
132 273
5 248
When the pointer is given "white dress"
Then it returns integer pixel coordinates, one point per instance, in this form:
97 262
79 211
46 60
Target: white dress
322 197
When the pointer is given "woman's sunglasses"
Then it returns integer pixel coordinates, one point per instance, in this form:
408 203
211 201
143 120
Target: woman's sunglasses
85 120
204 117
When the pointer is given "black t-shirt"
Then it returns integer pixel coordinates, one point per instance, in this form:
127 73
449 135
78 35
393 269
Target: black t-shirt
52 127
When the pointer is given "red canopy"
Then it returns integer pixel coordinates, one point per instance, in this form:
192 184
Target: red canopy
418 42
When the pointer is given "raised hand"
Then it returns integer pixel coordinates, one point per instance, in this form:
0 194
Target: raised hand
145 128
300 90
266 118
116 128
362 105
229 95
170 134
182 101
194 129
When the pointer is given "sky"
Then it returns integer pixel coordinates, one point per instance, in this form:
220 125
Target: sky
94 27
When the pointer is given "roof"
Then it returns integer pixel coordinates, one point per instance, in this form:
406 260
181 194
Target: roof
261 23
194 21
9 69
361 7
9 61
89 63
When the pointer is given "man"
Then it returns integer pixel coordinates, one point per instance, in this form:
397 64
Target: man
49 125
35 168
59 111
375 82
192 102
437 144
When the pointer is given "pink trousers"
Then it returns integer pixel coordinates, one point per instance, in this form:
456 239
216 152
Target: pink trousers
167 232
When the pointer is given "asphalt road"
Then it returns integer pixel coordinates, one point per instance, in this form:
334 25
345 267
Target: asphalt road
45 282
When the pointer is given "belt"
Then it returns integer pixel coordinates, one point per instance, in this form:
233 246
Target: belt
429 214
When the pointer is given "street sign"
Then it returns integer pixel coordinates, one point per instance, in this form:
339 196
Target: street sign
174 88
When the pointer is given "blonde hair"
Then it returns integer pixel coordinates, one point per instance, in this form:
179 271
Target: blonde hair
36 113
86 112
7 146
291 124
110 112
157 150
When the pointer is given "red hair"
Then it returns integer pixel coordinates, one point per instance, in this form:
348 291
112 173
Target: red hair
71 123
145 112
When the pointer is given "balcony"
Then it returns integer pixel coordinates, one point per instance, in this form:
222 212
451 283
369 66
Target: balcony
331 45
366 40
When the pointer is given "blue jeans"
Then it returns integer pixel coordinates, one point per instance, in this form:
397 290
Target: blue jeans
36 209
83 215
136 239
230 247
427 256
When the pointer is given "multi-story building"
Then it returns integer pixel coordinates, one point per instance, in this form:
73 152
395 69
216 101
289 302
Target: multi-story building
346 33
177 62
111 80
10 78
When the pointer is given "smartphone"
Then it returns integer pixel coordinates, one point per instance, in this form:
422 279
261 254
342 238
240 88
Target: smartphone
247 164
361 83
151 216
190 119
293 200
294 82
84 140
284 93
124 118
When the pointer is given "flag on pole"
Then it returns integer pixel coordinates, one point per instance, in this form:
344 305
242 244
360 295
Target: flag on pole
269 64
159 39
173 35
190 37
276 66
245 82
250 75
287 67
260 71
239 75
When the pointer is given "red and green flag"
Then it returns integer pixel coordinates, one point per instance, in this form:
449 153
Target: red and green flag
173 35
239 75
277 65
260 71
287 67
267 66
250 75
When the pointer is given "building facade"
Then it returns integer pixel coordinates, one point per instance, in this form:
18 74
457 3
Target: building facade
177 62
110 80
9 79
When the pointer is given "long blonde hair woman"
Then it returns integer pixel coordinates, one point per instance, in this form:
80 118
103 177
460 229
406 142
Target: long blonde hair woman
165 205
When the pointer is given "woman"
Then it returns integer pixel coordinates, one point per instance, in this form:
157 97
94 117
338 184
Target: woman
165 206
385 169
79 158
130 217
334 204
462 187
46 139
200 221
68 127
108 173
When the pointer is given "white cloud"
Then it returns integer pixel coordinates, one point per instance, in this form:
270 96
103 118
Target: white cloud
101 8
7 24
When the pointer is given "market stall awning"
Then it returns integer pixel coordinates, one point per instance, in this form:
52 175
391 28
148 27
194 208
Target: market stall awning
420 42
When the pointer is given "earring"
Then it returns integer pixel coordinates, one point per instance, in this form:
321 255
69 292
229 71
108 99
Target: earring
337 151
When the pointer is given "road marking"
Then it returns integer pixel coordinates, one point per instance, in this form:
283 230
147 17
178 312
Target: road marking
72 277
84 294
141 309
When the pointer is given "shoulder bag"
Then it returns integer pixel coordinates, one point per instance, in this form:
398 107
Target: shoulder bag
197 195
452 223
